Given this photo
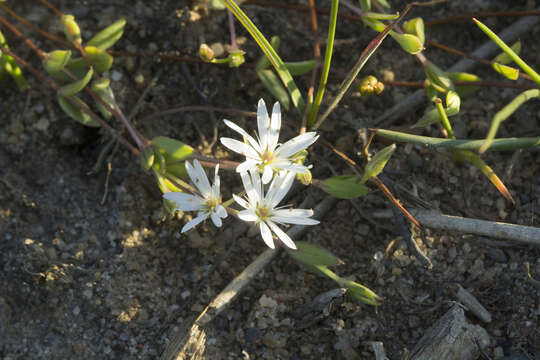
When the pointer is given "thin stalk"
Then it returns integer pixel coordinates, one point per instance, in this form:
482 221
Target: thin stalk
232 30
444 118
500 144
326 65
364 57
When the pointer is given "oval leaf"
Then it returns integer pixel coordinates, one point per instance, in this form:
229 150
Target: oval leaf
174 150
56 61
76 113
75 87
344 187
464 90
408 42
415 27
378 162
108 36
71 29
312 255
506 71
100 60
301 67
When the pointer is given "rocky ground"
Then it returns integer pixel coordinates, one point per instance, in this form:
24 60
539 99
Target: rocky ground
92 267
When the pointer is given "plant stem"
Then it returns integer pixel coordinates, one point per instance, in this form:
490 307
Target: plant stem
326 65
497 144
232 30
444 118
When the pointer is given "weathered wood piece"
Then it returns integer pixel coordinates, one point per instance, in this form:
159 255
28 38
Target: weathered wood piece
451 338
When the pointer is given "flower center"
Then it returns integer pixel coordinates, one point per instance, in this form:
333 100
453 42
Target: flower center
262 212
210 204
267 157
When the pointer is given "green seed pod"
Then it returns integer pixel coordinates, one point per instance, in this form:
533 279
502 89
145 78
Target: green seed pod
236 58
206 53
369 86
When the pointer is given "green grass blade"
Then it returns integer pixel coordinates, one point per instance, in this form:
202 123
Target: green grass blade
506 112
326 65
270 53
507 50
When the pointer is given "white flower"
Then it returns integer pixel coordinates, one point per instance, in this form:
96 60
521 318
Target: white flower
208 204
262 208
265 154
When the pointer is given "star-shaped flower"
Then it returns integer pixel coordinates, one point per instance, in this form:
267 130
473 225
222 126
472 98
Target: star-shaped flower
266 154
208 203
263 210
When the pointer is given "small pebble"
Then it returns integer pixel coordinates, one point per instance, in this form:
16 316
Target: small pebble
42 124
76 310
116 75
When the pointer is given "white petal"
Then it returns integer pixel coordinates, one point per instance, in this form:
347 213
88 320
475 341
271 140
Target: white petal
243 203
294 220
263 123
194 222
248 187
290 166
221 211
296 144
266 235
184 202
240 147
247 165
247 215
293 212
244 133
282 235
257 184
282 190
267 174
201 181
217 183
275 126
216 219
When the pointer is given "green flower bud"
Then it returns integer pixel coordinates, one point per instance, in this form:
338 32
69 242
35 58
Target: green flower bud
369 86
236 58
304 178
206 53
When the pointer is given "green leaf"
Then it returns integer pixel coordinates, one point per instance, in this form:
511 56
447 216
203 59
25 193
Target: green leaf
438 77
56 61
108 36
100 59
344 187
380 16
75 87
377 163
453 102
505 113
506 71
173 150
464 90
71 29
433 116
408 42
75 112
301 67
77 67
504 58
272 83
376 25
383 3
365 5
103 90
14 70
312 255
361 293
415 27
